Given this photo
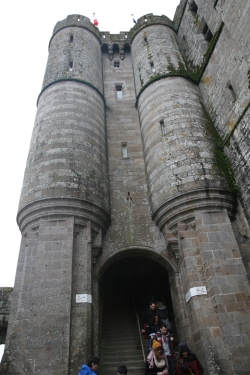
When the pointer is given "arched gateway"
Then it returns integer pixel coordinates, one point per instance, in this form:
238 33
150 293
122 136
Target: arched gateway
125 168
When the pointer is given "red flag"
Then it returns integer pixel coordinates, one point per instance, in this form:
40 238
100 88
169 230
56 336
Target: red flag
95 22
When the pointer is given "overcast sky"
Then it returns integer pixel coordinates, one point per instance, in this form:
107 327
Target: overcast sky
26 27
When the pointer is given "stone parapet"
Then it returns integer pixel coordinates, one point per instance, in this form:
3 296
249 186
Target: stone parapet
75 53
76 20
148 20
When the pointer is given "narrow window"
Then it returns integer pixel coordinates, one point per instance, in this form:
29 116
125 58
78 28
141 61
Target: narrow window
126 35
145 19
71 38
163 127
70 66
129 198
127 48
207 33
116 64
103 35
152 66
230 87
193 7
119 92
124 151
78 18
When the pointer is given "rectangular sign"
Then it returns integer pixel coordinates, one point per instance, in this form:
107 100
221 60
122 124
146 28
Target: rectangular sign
196 291
83 298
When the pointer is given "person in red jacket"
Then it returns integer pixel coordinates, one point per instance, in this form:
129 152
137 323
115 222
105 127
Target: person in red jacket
187 362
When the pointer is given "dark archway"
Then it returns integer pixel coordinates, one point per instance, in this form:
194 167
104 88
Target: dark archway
142 279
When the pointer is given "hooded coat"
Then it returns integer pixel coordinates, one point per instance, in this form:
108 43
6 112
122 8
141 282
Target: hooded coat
86 370
186 365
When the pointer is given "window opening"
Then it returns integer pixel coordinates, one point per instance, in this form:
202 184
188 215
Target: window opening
129 198
152 66
71 38
104 48
78 18
145 19
119 94
124 150
207 33
163 127
126 35
103 35
230 87
193 8
116 64
127 48
116 48
70 66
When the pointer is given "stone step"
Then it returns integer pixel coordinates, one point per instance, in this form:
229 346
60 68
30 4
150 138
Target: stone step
132 371
122 357
117 340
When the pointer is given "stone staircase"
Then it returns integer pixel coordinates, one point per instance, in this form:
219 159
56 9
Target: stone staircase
121 343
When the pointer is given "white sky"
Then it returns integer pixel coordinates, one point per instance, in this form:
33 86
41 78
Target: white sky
25 28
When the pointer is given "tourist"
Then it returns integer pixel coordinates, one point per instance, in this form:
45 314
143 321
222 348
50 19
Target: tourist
153 329
161 309
156 363
90 367
187 362
167 342
147 317
122 370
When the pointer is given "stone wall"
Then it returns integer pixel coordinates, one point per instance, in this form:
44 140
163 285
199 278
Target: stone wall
224 85
5 299
105 181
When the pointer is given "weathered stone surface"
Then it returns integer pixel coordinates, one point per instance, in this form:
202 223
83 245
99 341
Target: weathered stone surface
104 182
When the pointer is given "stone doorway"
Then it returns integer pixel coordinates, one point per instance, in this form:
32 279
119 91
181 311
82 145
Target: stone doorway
127 286
141 278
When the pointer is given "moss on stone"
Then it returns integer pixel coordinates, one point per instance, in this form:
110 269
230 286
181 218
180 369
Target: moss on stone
222 161
186 69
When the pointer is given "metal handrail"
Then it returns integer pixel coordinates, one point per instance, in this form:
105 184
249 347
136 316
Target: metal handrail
139 332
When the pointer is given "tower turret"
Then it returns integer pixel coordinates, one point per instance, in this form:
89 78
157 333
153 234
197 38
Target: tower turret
64 207
179 151
67 166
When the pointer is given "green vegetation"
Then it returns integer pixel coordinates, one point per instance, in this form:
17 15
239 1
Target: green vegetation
187 70
221 159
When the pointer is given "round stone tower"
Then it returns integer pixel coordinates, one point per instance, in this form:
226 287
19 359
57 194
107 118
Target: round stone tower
66 170
64 208
179 150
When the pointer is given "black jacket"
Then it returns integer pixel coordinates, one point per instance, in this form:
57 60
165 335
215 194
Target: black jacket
147 317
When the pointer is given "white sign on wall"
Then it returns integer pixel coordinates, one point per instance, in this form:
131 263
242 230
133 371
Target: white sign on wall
83 298
196 291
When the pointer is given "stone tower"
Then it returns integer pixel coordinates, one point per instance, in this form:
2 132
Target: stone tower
131 155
